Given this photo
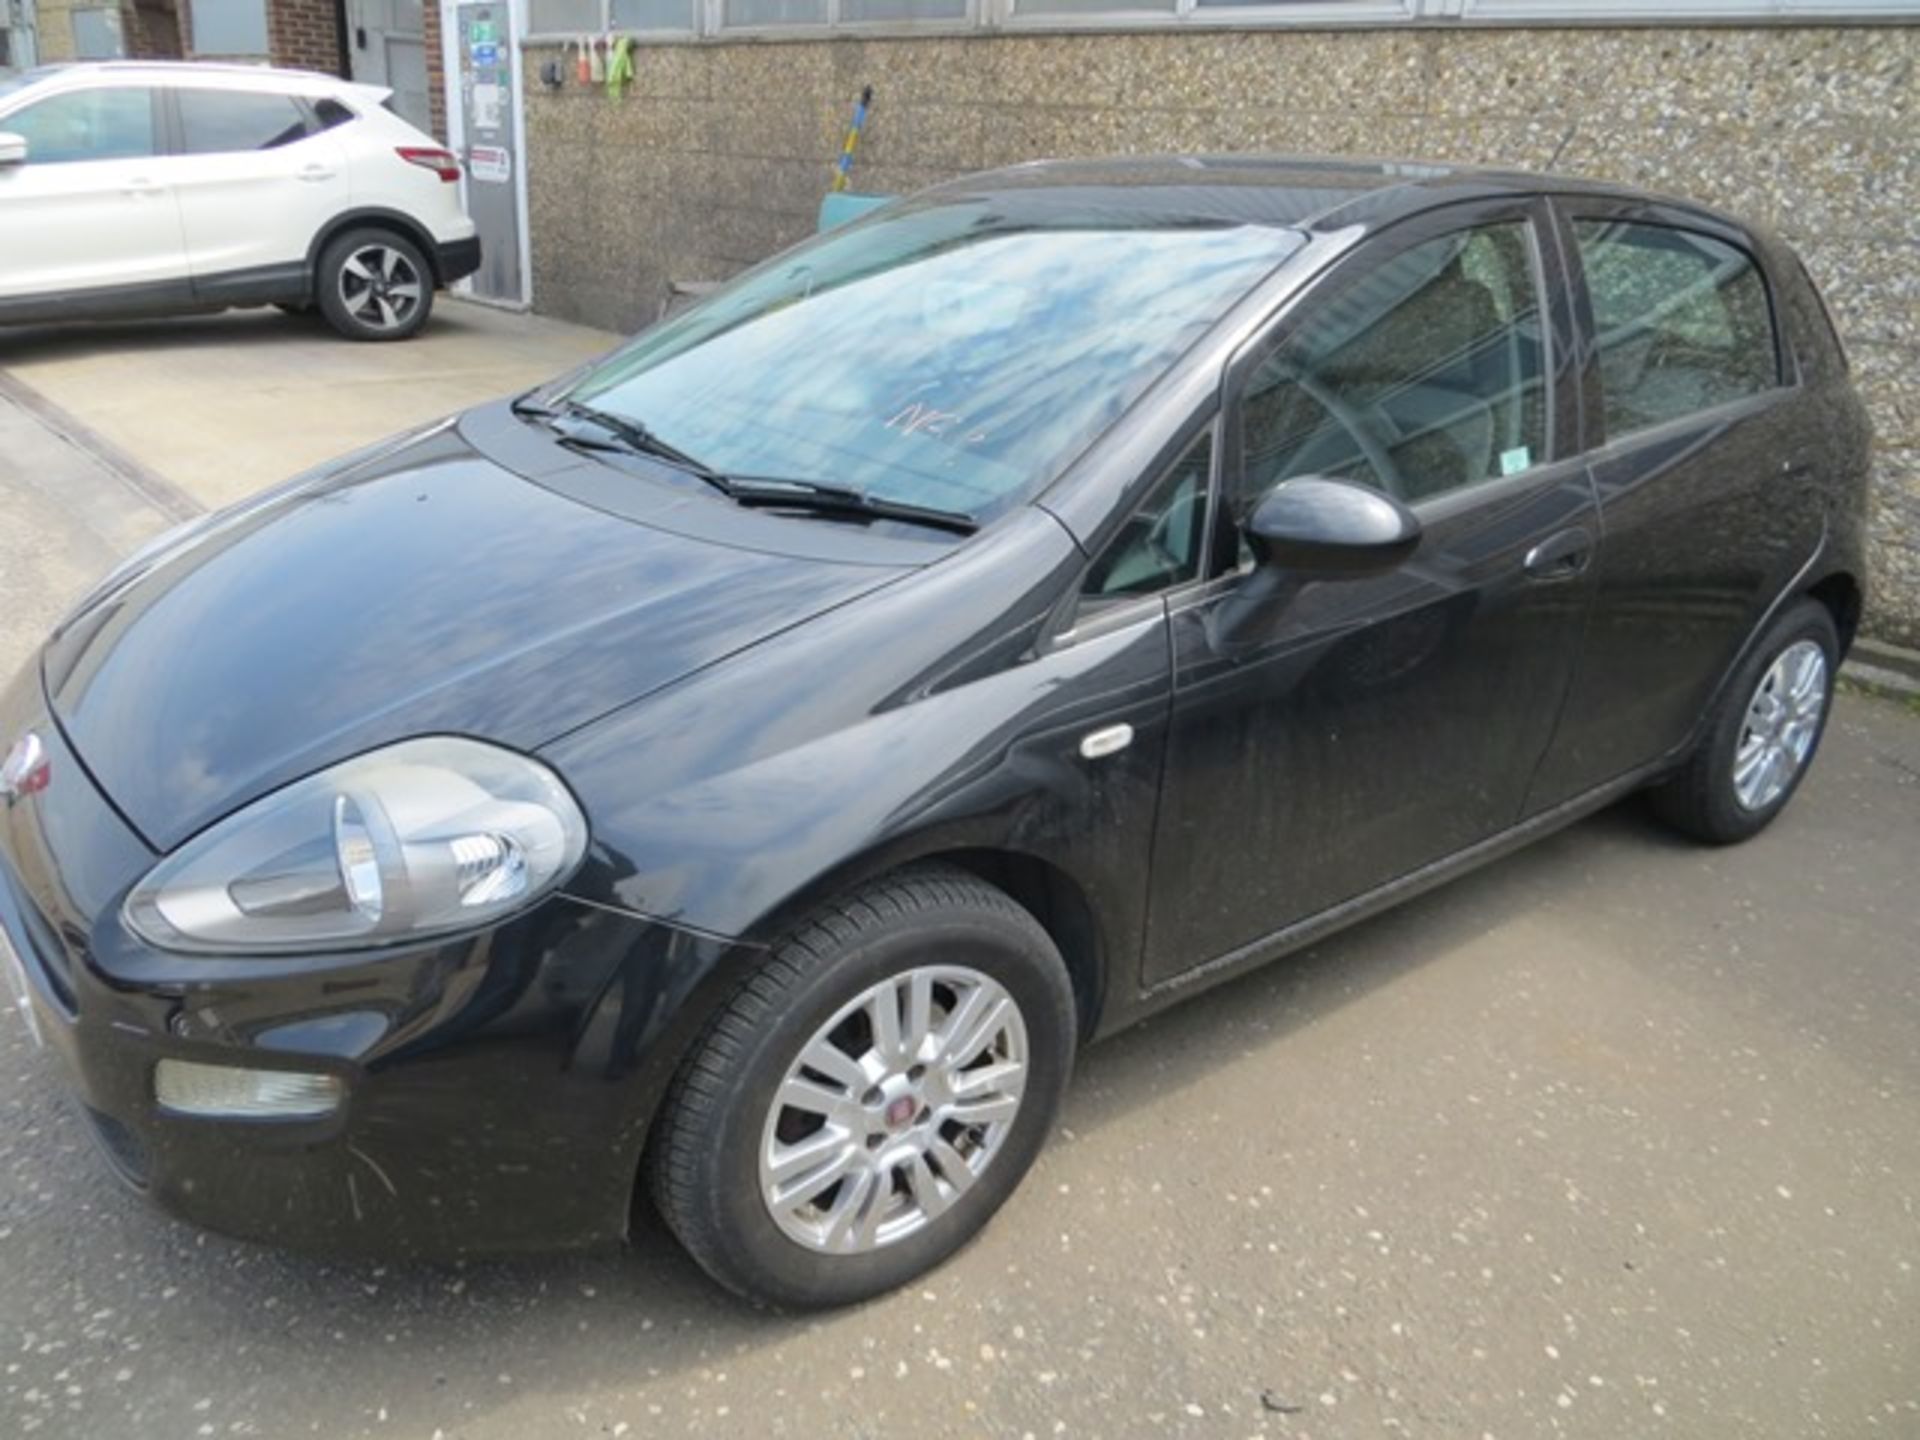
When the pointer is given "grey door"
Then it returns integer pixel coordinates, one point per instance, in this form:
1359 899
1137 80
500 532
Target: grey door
488 106
387 42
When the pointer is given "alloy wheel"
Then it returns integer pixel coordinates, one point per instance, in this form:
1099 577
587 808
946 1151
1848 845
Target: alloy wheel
380 287
892 1109
1782 720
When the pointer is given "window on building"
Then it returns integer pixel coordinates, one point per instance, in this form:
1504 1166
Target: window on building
214 122
651 14
1682 320
1424 373
565 17
96 33
230 27
115 124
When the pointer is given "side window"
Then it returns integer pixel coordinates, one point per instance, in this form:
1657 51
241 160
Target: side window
1682 322
217 122
1425 373
328 114
114 124
1162 543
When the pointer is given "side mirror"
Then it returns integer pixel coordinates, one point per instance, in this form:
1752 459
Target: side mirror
1330 529
1307 529
13 148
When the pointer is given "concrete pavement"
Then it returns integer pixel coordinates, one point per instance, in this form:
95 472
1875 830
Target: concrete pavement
221 405
1620 1137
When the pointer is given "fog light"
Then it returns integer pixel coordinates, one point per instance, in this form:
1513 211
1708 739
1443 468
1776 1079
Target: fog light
189 1088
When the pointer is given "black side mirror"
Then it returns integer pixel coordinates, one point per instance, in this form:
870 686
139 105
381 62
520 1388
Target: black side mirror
1330 529
1307 529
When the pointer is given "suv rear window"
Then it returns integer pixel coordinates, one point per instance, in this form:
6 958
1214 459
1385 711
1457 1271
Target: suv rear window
214 122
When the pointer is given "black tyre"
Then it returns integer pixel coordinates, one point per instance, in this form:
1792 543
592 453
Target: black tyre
1762 734
374 285
870 1095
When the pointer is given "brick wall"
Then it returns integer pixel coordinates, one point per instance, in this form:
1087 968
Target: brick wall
305 34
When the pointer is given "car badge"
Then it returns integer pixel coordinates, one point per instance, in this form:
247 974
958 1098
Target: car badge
26 769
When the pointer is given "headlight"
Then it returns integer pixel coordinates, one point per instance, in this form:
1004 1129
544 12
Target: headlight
421 838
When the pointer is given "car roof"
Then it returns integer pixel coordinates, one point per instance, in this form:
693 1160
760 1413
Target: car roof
209 73
1297 192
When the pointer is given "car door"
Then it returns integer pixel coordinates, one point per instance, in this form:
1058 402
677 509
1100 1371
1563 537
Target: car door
87 217
257 179
1377 725
1703 458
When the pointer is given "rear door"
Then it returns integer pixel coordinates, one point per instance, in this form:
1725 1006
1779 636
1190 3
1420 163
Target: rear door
89 210
1384 723
256 184
1702 459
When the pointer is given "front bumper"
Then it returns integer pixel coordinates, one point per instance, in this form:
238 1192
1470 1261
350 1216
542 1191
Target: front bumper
497 1087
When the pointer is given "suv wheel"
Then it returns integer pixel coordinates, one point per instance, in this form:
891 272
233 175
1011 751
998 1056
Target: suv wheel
870 1095
374 285
1762 733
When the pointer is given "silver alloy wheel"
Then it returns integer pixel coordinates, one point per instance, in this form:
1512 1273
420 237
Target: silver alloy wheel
380 286
1781 722
892 1109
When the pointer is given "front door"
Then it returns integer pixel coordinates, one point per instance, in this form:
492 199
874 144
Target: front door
90 208
1378 725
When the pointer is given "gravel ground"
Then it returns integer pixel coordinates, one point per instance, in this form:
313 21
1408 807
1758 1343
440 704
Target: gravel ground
1617 1138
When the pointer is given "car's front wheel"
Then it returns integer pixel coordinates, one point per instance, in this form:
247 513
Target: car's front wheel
1762 734
871 1095
374 285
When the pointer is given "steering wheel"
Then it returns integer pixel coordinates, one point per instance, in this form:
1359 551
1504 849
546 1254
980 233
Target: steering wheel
1349 419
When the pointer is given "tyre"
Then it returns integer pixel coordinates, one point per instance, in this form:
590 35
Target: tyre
374 285
1761 735
870 1095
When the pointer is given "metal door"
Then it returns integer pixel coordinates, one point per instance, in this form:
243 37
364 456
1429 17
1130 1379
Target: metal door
489 141
387 42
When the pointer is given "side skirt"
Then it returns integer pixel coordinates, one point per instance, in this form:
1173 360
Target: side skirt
1384 897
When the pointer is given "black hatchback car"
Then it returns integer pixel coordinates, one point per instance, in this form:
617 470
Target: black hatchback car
745 771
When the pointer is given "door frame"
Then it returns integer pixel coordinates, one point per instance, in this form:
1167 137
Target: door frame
457 136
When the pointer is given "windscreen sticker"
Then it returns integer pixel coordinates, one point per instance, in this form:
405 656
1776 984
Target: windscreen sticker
1512 462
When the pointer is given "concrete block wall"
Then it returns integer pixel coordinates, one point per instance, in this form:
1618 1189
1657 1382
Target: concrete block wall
719 154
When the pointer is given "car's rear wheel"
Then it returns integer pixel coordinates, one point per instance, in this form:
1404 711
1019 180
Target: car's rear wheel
374 285
1762 734
871 1094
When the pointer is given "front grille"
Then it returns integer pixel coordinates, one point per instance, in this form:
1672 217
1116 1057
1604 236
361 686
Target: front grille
43 951
120 1145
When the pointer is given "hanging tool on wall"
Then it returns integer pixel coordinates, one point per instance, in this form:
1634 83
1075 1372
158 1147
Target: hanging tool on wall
620 67
596 66
843 169
582 67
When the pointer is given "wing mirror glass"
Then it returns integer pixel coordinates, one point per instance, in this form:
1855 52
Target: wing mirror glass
13 148
1308 529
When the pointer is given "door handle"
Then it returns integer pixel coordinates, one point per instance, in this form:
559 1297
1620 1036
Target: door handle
141 186
316 172
1561 556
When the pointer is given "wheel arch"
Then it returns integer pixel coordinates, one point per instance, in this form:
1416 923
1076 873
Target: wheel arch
374 218
1845 598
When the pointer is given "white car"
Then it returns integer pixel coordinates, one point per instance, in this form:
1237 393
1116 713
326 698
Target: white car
134 188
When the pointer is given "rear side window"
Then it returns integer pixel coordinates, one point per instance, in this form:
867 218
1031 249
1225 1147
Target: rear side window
114 124
327 114
1682 321
217 122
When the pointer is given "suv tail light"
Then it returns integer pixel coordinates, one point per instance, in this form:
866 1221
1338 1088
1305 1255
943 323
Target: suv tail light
441 162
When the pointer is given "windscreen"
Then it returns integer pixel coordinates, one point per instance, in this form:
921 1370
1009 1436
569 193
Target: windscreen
957 355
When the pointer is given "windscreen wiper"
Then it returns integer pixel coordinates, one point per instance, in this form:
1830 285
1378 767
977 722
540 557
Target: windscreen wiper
627 435
825 499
